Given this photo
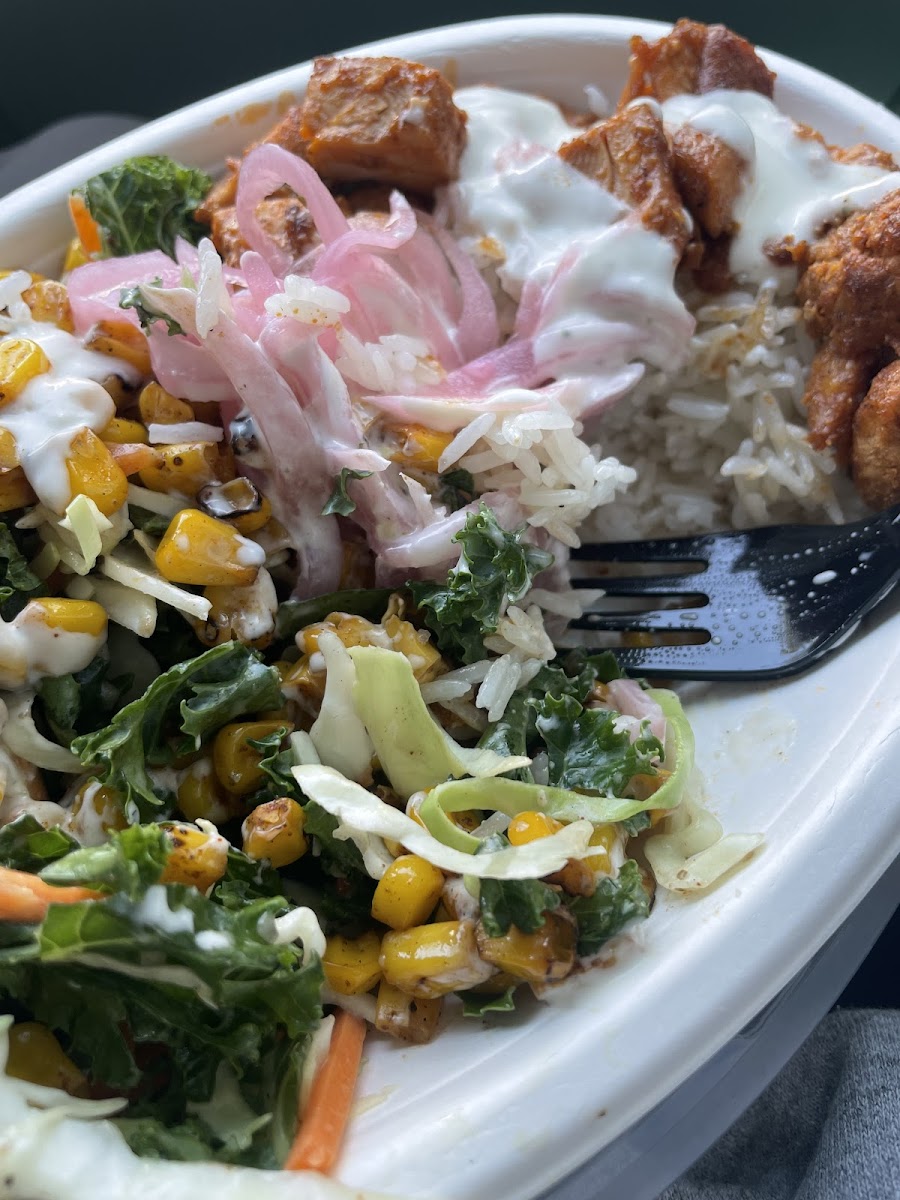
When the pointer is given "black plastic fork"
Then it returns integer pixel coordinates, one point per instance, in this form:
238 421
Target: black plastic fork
756 604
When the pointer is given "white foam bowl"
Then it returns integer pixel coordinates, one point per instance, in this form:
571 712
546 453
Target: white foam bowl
509 1109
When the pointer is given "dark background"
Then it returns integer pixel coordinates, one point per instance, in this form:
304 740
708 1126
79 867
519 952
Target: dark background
63 58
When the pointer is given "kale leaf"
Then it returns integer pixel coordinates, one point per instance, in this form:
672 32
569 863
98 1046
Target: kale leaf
496 568
151 523
586 753
294 615
614 903
25 845
520 902
195 697
129 863
156 995
81 702
574 675
18 583
340 502
145 203
133 298
476 1004
456 488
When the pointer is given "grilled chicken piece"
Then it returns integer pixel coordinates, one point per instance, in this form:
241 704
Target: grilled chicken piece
834 390
629 155
284 218
850 291
875 460
709 174
694 58
381 119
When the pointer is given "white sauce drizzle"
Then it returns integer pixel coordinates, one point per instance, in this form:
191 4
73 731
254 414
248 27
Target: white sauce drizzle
612 297
31 650
154 912
53 407
792 186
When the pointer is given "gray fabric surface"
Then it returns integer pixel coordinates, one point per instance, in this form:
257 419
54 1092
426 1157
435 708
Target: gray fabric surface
828 1128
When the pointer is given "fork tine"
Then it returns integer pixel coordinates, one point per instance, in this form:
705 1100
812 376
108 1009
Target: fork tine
658 620
690 660
685 549
643 585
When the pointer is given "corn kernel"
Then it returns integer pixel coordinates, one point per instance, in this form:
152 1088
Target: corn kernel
75 616
21 360
76 255
419 446
604 837
235 761
186 467
196 858
352 631
9 458
404 1017
424 657
159 407
201 550
431 960
302 681
236 615
123 432
49 301
15 490
93 472
351 965
96 813
544 956
201 797
255 521
529 826
122 340
36 1055
407 892
274 830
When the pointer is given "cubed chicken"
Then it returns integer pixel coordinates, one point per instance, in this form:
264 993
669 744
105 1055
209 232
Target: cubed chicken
628 155
381 119
695 58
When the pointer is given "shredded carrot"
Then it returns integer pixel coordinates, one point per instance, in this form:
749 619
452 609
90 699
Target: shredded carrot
133 456
26 898
318 1141
85 226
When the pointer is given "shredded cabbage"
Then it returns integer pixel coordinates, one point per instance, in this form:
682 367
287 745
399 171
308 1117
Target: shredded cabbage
361 813
414 751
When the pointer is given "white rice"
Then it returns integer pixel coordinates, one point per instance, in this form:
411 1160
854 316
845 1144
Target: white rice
722 442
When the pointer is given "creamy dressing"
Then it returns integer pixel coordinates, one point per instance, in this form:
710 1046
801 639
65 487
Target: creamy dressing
53 407
608 282
792 186
31 650
153 911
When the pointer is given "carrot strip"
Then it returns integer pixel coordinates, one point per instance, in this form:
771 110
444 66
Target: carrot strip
318 1141
133 456
85 226
26 898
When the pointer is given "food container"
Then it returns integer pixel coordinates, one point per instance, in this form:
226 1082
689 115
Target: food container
611 1063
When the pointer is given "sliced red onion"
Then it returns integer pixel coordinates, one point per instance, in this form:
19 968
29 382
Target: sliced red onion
95 288
361 237
264 171
478 330
629 698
